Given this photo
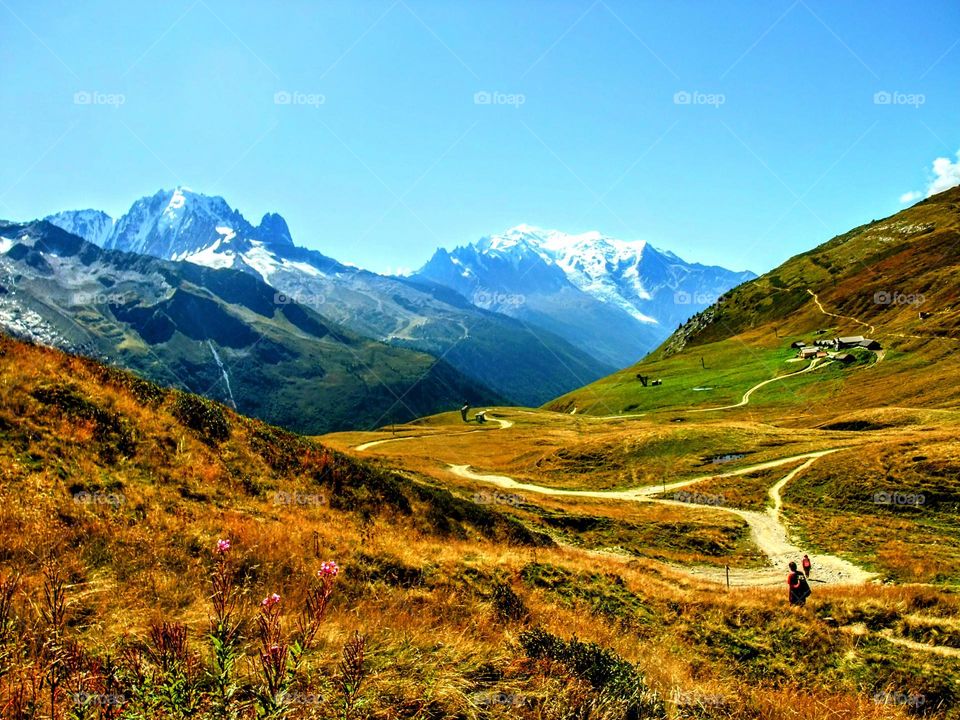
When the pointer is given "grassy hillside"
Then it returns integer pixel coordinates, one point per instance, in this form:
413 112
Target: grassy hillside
893 280
115 602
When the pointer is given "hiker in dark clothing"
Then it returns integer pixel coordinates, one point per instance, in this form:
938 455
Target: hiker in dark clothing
797 585
806 564
464 410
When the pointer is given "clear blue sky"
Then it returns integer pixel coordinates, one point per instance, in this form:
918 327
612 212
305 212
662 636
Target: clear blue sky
399 158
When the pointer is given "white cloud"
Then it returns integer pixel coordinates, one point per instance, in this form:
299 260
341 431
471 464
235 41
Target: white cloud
946 175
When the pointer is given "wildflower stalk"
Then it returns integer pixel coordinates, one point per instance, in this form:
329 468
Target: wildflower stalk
8 588
224 635
175 682
315 605
352 674
273 655
53 612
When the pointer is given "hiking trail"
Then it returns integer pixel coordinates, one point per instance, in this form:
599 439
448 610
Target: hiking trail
814 364
767 528
502 422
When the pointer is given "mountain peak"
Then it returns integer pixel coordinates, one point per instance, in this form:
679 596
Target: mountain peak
578 282
558 241
273 230
92 225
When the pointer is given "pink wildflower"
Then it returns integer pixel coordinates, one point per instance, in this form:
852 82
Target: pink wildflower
223 546
328 569
270 601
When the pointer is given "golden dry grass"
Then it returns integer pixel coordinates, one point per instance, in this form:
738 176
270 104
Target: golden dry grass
421 590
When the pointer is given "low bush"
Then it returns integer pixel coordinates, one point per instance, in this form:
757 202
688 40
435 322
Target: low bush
204 417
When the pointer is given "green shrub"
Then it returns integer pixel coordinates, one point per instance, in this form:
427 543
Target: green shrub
606 594
111 430
618 681
507 605
146 392
203 416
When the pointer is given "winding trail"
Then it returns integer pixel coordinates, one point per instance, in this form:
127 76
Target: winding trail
767 529
861 630
842 317
814 364
502 422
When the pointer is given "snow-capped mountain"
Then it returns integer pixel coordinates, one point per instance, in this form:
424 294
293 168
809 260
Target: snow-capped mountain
528 365
220 333
93 225
581 305
180 224
570 283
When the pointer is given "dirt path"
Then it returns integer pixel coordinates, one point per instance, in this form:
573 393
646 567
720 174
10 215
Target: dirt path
944 650
873 329
814 364
502 422
767 529
637 494
860 630
870 327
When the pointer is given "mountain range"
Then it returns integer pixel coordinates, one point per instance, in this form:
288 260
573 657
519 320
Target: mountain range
616 300
218 332
527 365
530 314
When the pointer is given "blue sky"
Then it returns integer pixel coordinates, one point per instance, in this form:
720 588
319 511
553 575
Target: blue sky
736 133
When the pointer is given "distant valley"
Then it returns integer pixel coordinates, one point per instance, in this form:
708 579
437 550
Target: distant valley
524 316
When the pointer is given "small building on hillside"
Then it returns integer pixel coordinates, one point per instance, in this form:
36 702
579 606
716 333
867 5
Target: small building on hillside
797 344
808 352
848 342
870 344
844 358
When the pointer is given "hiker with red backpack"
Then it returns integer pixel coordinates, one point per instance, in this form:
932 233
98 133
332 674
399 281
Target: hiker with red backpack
799 589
